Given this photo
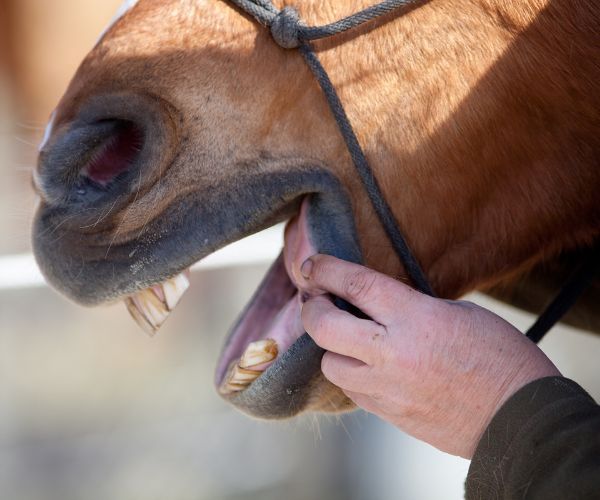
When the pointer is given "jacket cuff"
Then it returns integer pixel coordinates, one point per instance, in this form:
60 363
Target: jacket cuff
509 442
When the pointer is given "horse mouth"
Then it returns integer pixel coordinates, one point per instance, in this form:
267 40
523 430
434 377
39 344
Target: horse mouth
268 326
269 367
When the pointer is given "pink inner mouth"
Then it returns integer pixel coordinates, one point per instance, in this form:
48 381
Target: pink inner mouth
274 311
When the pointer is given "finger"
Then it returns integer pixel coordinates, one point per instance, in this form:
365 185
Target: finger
347 373
340 332
374 293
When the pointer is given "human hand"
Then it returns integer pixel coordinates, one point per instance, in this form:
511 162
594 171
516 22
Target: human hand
437 369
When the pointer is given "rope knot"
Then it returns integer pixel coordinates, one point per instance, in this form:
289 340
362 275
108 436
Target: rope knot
285 28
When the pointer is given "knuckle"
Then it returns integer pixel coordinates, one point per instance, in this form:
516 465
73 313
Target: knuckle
400 357
379 333
358 285
408 411
384 347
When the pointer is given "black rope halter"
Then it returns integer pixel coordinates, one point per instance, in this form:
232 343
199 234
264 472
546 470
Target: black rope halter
290 32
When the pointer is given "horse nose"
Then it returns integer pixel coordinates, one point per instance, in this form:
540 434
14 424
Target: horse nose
88 157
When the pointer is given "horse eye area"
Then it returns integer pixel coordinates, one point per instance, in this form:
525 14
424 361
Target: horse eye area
116 154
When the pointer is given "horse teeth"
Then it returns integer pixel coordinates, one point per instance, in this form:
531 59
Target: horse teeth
156 310
243 375
237 379
148 310
230 388
151 307
173 290
259 352
240 374
138 317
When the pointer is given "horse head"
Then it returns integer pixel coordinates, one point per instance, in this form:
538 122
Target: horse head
187 128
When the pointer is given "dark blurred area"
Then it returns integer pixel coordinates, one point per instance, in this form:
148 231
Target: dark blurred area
92 408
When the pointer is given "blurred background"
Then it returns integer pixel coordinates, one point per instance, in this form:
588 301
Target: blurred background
93 409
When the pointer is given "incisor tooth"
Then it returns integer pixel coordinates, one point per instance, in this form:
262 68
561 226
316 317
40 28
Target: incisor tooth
239 375
243 375
152 307
237 379
138 317
259 352
230 387
174 289
147 310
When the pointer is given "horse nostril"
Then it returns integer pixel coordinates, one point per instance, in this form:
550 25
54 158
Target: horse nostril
104 149
115 154
84 154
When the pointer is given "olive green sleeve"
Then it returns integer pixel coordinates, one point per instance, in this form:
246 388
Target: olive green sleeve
543 444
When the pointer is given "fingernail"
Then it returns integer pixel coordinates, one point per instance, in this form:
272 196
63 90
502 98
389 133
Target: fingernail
306 268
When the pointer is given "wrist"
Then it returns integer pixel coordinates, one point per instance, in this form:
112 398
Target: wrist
530 370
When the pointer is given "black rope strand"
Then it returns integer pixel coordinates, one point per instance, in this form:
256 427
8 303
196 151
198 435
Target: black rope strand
370 183
261 10
352 21
577 283
289 32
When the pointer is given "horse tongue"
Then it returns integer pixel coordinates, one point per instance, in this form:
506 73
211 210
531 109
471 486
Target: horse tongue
151 307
